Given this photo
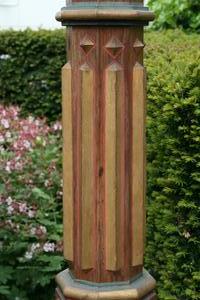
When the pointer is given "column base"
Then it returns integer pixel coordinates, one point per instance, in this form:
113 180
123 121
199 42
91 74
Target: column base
140 288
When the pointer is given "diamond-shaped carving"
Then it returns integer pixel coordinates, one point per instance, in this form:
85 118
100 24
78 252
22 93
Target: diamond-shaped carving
86 44
114 47
138 45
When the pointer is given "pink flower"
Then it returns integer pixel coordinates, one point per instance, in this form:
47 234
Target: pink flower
38 231
5 123
57 126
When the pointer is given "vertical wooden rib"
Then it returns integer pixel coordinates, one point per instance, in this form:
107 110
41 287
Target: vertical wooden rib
138 164
112 165
87 174
67 162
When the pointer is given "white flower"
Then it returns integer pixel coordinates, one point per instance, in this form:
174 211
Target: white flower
22 207
27 144
18 166
28 255
33 231
31 119
8 135
186 234
4 56
43 229
2 150
2 140
46 183
37 122
7 168
31 213
10 223
49 247
9 200
10 210
34 247
5 123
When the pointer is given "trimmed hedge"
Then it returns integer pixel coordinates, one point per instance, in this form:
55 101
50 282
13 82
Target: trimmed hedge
173 128
30 63
30 77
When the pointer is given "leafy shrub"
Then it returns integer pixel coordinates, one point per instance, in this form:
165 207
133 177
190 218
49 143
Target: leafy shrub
173 247
30 63
176 13
30 206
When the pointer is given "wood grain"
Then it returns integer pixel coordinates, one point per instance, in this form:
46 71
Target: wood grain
68 209
104 14
90 152
138 164
87 172
113 84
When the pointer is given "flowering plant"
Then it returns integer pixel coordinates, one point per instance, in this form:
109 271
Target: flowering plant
30 205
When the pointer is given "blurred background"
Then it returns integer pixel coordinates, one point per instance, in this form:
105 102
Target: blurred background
20 14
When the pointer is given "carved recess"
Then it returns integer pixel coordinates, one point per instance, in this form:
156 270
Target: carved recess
114 47
86 44
138 47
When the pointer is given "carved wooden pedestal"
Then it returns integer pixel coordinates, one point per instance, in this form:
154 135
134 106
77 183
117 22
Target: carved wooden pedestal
104 95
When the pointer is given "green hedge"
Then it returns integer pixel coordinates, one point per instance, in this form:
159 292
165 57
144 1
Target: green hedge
30 63
176 13
173 249
30 77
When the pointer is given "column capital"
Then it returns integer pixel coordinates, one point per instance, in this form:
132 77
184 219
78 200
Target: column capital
105 14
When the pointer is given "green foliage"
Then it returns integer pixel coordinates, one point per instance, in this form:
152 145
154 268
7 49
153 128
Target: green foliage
30 64
30 207
176 13
173 129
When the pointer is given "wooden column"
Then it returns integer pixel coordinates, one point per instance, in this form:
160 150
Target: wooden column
104 96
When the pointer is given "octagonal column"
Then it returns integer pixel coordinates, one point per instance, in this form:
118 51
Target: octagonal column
104 95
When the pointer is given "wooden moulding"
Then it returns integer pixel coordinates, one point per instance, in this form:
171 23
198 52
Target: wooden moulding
68 209
87 172
104 14
138 163
112 165
138 288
